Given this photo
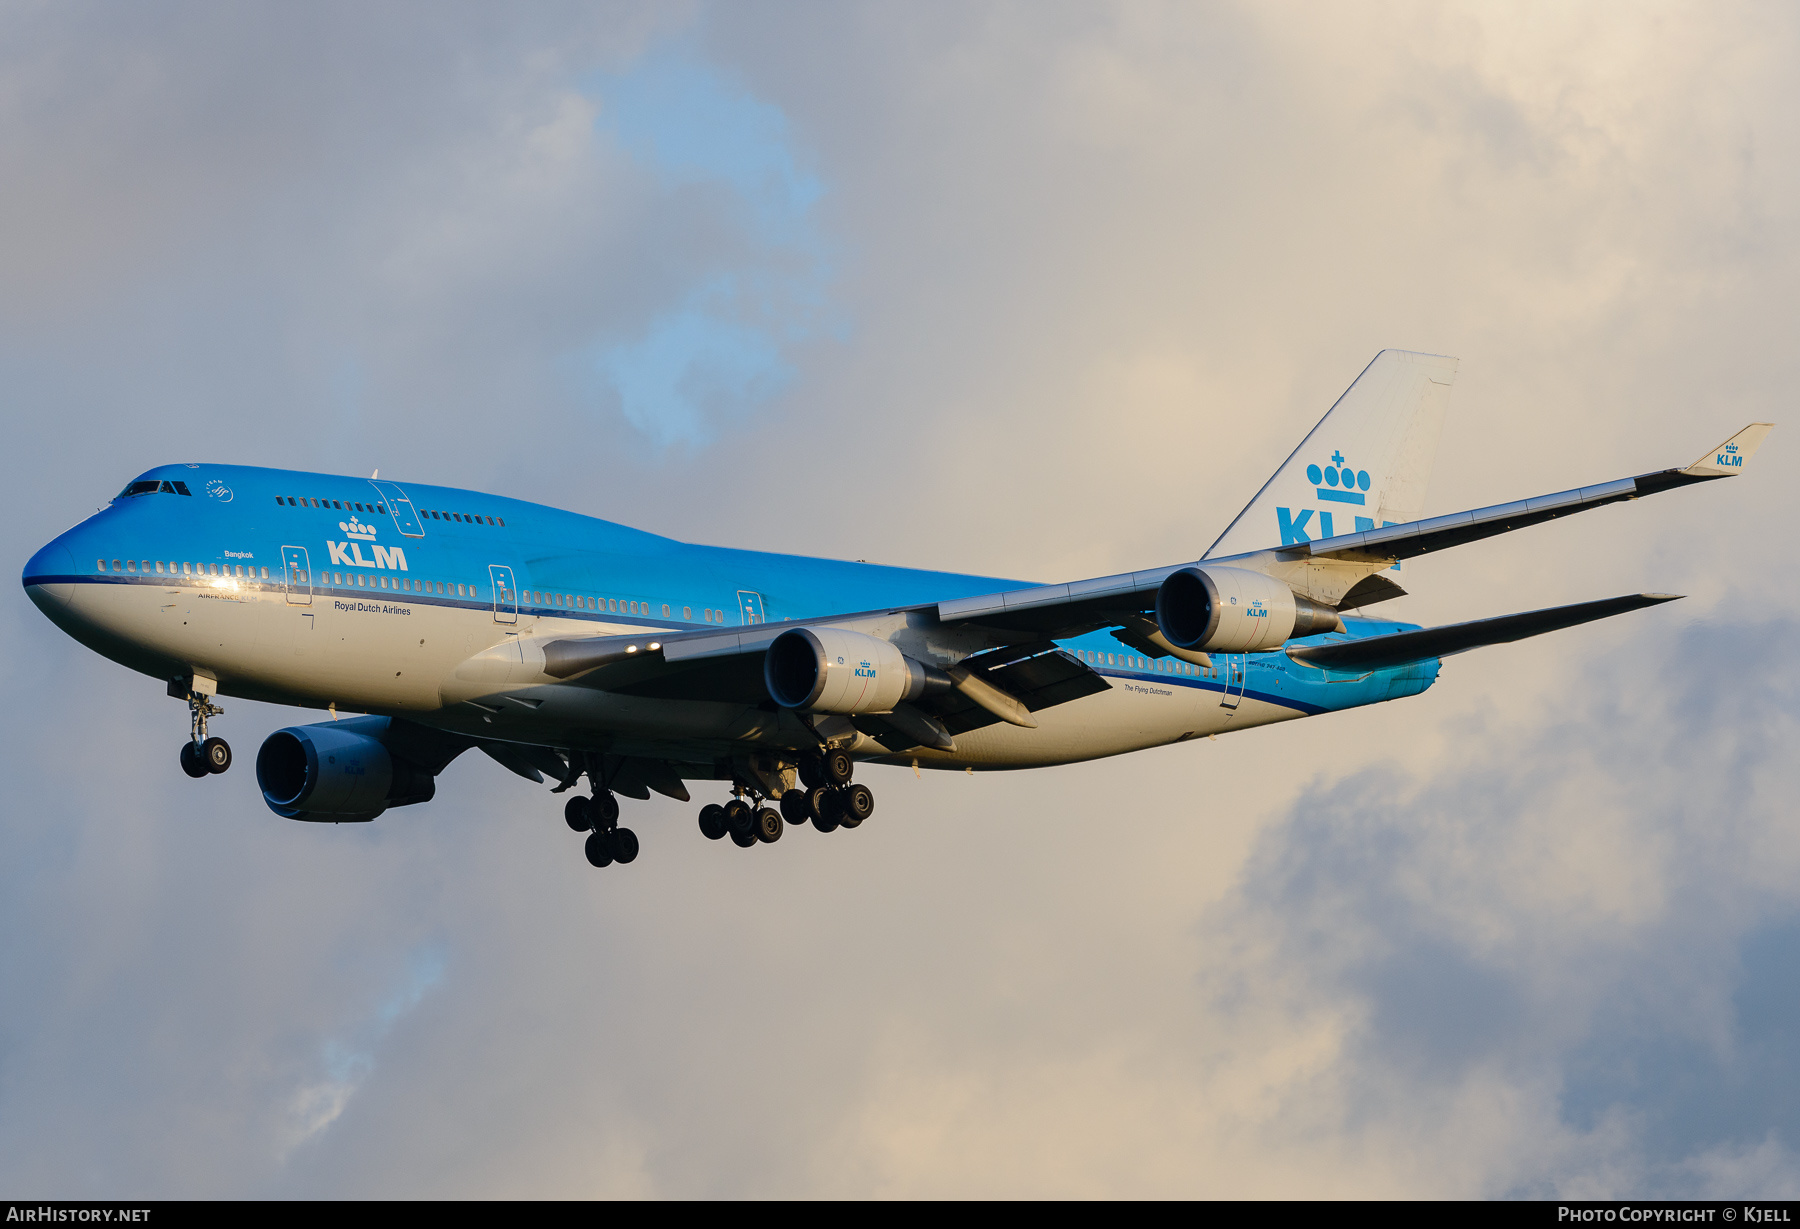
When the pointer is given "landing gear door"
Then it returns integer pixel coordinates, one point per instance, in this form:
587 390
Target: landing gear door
299 575
750 606
1231 668
406 518
506 598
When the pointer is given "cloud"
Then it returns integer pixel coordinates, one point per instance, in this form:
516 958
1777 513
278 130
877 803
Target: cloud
1028 291
718 352
1605 933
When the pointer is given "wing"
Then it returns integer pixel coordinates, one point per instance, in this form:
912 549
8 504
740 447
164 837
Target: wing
1403 648
1331 570
1005 664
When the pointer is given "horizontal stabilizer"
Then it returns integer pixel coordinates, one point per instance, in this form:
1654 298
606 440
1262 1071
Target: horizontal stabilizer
1378 652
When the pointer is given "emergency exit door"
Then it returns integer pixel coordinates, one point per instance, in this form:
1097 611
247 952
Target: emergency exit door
1231 668
506 598
299 575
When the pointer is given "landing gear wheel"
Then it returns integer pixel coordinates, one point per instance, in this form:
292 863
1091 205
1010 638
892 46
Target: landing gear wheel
625 845
738 816
578 813
815 803
744 839
827 814
793 807
191 763
812 771
600 849
606 809
840 805
712 821
767 825
215 753
838 767
858 803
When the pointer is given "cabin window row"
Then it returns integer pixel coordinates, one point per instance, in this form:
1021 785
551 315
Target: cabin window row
1126 661
158 567
613 605
403 584
350 505
576 601
466 518
342 505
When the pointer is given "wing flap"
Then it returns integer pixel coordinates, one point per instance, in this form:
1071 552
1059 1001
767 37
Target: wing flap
1039 675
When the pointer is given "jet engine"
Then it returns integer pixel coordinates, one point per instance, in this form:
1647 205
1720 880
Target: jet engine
832 670
1233 610
315 772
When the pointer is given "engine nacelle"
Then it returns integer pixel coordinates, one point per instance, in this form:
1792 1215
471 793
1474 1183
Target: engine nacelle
831 670
1234 610
313 772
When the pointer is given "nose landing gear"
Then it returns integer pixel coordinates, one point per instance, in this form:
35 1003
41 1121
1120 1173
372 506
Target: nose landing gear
201 755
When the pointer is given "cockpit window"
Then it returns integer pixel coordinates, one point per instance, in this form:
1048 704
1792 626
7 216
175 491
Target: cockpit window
150 486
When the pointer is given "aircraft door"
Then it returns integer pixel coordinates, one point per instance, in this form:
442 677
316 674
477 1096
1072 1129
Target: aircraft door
1231 669
750 606
299 575
406 518
506 598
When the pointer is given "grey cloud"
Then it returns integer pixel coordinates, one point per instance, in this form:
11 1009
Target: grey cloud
1647 975
1096 270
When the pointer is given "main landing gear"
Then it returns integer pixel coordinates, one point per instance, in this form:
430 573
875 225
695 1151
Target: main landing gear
599 818
201 755
826 799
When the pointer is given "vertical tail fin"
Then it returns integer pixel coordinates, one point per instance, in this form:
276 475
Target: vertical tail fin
1365 465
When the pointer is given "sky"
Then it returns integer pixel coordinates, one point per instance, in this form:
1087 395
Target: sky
1035 290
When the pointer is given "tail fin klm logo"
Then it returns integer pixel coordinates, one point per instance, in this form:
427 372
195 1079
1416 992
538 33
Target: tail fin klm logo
1336 483
1730 457
1341 484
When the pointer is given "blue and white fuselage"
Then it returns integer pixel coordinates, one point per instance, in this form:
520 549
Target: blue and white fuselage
302 589
566 646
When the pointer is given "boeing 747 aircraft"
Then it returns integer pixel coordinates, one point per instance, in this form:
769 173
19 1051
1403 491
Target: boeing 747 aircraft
569 648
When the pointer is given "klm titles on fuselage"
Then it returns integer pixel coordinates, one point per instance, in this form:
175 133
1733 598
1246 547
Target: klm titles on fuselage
349 554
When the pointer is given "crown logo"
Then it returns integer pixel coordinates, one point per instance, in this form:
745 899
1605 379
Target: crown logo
1337 483
357 529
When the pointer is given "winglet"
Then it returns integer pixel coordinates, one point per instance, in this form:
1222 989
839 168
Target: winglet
1728 458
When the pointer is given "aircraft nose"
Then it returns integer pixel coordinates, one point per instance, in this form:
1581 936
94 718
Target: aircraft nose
49 578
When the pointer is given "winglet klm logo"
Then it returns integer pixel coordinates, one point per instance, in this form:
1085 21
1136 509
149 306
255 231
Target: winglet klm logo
1729 457
1341 483
358 530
